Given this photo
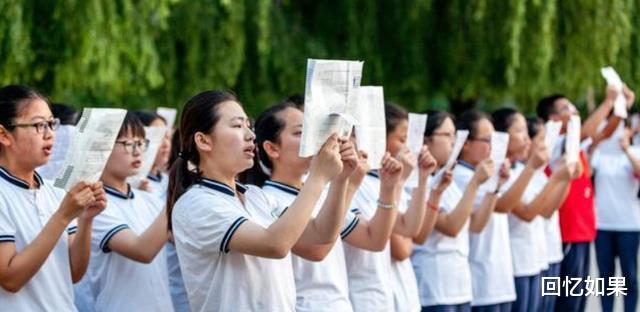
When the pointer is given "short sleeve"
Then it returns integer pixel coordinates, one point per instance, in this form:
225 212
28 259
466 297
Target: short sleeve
349 223
73 227
206 222
105 225
595 159
7 225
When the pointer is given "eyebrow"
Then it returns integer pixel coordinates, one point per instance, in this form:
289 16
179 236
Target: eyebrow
241 118
40 117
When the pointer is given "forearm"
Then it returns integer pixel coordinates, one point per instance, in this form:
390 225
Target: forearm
401 247
409 223
80 250
513 196
430 218
481 216
590 125
326 226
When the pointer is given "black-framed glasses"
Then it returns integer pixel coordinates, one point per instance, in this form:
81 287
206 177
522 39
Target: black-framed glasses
41 126
130 146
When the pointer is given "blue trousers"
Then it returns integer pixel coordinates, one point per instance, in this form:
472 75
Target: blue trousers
549 302
464 307
574 265
624 245
500 307
529 294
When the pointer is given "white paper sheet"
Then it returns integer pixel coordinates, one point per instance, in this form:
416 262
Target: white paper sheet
169 114
499 145
572 143
61 144
415 140
461 137
371 132
96 134
329 103
552 134
155 135
613 79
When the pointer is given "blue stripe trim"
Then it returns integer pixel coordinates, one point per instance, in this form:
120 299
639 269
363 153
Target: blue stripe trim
283 211
221 187
72 230
155 178
113 192
5 174
356 211
224 245
374 173
350 228
7 238
466 164
283 187
104 243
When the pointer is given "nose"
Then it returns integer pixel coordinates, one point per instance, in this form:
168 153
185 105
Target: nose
250 135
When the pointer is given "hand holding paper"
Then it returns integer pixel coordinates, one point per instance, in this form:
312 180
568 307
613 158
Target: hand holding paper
499 145
572 143
613 79
415 140
461 137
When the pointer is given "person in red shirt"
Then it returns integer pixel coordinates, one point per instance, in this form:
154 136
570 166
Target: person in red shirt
577 213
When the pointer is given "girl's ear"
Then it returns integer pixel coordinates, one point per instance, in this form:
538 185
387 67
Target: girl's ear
4 136
203 142
272 149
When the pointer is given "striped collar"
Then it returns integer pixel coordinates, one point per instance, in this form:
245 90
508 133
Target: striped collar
283 187
466 165
5 174
374 173
221 187
113 192
155 177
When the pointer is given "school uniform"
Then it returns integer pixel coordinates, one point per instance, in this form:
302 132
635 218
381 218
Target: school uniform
554 256
403 279
323 285
618 218
441 264
23 214
159 183
528 244
489 253
369 272
119 283
205 218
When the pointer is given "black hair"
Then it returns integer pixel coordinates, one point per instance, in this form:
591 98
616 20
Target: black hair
503 118
296 100
393 115
268 127
435 119
533 124
200 114
147 117
131 125
468 120
546 106
67 114
175 143
12 101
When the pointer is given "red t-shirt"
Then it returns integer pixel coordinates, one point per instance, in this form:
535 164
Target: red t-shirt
577 213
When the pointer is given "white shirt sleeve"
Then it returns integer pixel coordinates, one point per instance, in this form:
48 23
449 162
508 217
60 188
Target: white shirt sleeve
7 226
348 224
105 225
207 223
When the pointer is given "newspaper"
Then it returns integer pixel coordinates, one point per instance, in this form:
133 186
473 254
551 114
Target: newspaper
155 135
371 132
169 114
415 140
91 146
61 144
613 79
572 143
330 100
499 145
461 137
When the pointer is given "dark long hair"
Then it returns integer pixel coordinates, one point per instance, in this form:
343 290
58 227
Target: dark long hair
200 114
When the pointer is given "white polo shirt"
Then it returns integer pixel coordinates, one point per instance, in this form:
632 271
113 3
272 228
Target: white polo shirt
403 279
489 251
555 253
216 278
616 189
23 214
528 242
159 185
119 283
369 272
441 264
323 285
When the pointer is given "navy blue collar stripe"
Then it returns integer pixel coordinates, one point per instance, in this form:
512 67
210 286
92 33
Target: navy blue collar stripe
112 191
221 187
5 174
155 178
466 165
283 187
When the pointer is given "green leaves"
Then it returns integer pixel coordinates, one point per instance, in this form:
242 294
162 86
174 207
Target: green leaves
160 52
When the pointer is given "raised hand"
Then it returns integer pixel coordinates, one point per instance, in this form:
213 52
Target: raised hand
326 163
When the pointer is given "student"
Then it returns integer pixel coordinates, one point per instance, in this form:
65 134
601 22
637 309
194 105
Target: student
577 212
489 252
42 250
370 272
233 241
616 168
158 178
529 196
128 269
440 258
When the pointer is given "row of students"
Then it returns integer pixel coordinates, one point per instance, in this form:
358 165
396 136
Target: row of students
278 244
